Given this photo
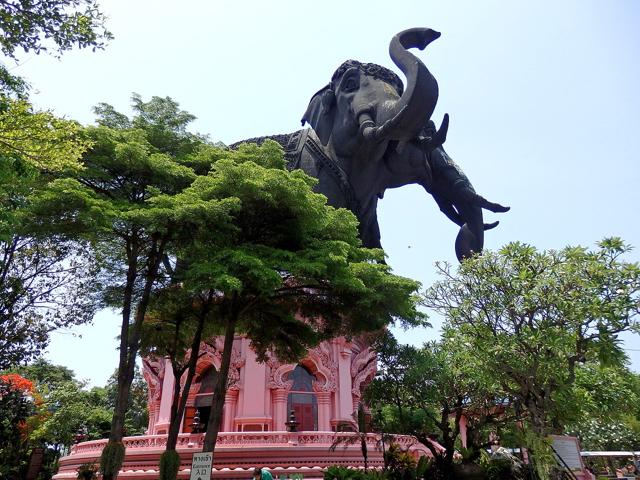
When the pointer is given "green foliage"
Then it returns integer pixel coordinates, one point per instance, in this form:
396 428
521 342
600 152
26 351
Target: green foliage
40 139
530 318
336 472
402 465
16 410
502 465
608 435
63 408
233 228
65 23
124 201
164 124
604 391
45 282
111 458
287 270
67 407
425 467
499 469
279 241
169 465
425 391
38 26
607 416
137 415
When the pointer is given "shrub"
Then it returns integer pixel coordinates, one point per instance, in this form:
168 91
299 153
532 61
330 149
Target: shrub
400 465
169 465
111 459
336 472
87 471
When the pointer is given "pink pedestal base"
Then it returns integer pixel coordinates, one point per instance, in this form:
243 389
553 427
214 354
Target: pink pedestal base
238 453
257 404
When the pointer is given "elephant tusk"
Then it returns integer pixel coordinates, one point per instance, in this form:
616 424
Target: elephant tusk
367 126
370 131
489 226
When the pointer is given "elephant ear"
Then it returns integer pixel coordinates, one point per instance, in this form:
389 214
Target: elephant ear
320 113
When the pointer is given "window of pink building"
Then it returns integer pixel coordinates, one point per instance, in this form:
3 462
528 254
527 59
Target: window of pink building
302 400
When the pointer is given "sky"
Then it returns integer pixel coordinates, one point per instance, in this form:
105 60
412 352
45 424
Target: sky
544 101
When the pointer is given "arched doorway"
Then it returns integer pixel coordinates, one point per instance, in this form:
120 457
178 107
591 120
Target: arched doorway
202 401
302 399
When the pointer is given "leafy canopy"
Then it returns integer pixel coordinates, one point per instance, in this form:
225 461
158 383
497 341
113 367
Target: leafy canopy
43 280
531 318
47 26
31 25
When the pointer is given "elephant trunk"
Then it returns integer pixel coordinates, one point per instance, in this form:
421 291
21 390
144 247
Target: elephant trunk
404 119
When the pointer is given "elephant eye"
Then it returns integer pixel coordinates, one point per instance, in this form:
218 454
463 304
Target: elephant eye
350 84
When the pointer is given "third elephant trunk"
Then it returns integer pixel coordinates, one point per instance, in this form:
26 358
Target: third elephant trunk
405 119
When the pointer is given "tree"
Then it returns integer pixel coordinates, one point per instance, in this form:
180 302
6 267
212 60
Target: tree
45 282
17 410
34 273
291 272
530 318
44 285
111 203
55 409
426 391
37 274
607 416
250 235
281 267
38 26
136 419
174 328
357 436
28 24
63 409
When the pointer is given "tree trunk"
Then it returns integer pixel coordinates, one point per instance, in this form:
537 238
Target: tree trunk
129 344
117 421
213 425
180 397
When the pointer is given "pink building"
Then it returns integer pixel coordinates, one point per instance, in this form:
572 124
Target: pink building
323 390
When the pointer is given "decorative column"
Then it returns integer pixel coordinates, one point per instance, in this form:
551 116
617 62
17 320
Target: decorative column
230 400
166 399
344 372
279 409
324 411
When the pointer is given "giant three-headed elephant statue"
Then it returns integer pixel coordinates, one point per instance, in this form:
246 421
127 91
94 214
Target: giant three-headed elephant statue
369 132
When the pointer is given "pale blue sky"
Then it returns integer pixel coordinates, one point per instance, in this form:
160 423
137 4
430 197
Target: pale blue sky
543 98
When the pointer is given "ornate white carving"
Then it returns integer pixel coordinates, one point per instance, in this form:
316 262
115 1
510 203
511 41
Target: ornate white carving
153 373
363 368
237 362
277 370
210 355
319 361
322 357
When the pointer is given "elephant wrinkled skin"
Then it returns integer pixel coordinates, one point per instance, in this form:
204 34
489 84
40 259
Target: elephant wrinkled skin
370 133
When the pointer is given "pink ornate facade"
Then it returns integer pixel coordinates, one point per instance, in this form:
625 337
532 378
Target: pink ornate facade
324 390
258 393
